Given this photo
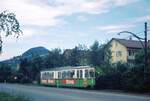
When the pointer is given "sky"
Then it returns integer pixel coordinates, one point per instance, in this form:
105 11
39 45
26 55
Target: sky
67 23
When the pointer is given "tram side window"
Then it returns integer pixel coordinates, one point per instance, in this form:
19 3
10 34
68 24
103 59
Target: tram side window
68 74
59 75
86 73
77 73
45 75
64 74
91 72
52 75
81 73
42 75
48 75
72 74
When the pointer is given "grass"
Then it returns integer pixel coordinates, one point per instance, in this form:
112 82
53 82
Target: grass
9 97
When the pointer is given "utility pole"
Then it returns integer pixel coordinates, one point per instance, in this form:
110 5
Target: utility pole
145 48
144 45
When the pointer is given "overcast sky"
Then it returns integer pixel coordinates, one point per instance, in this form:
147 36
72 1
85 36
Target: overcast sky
66 23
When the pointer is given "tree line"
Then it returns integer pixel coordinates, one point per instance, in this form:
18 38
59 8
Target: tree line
120 76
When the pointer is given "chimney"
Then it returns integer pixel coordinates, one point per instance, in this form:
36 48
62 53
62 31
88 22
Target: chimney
130 38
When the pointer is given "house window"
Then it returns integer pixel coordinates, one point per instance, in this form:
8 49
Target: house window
131 53
118 53
116 44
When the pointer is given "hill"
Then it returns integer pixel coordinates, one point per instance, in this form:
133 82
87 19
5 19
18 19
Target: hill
36 51
29 54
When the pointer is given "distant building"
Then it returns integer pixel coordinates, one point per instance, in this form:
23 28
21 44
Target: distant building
123 50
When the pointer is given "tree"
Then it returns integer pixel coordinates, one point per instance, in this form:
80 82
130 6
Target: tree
76 56
107 54
83 54
35 68
54 59
25 70
10 25
141 71
5 73
24 67
96 54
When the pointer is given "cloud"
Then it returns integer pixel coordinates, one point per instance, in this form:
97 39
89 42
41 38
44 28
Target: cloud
127 24
115 28
141 19
28 33
124 2
47 12
30 13
82 18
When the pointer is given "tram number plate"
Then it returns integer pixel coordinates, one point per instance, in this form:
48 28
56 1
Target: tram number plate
51 81
44 81
69 82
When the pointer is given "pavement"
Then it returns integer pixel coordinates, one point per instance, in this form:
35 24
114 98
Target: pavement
38 93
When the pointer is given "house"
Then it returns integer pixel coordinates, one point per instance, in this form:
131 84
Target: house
123 50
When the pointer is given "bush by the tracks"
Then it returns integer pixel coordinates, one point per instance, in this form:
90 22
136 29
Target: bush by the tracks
121 77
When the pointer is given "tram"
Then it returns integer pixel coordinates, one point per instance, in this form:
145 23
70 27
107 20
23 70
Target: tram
79 76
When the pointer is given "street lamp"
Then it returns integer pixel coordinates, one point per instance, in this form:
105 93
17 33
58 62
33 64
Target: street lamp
139 38
144 45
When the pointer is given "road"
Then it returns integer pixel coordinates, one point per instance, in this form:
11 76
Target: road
64 94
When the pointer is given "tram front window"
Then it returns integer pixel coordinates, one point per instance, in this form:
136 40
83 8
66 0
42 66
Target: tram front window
91 73
44 76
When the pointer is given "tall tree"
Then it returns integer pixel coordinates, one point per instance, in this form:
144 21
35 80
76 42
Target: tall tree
5 72
24 67
35 68
83 54
9 25
75 56
54 59
96 54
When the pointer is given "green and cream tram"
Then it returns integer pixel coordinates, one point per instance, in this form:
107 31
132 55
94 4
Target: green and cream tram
80 76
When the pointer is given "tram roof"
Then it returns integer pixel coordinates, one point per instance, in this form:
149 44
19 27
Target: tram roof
68 67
